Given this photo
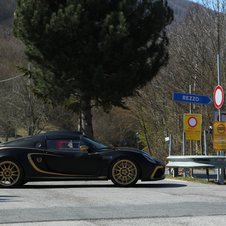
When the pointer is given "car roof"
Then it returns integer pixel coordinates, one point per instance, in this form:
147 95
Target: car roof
51 135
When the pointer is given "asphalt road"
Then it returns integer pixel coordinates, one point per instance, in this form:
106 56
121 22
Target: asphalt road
167 202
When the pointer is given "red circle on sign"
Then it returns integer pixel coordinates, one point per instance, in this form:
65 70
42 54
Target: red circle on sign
219 131
218 97
192 122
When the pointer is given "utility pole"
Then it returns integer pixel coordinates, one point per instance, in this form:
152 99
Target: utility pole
30 126
220 171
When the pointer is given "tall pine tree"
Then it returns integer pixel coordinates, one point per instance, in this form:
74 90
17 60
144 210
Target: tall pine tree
100 51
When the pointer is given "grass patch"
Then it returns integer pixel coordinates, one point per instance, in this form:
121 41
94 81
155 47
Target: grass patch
191 179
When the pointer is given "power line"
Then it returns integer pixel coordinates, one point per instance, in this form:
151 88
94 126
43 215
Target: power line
6 80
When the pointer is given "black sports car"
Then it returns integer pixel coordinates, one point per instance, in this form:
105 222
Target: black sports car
69 155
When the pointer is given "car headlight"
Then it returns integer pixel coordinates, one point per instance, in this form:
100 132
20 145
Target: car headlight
148 157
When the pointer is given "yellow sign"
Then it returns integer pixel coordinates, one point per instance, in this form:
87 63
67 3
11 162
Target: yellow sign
219 136
192 126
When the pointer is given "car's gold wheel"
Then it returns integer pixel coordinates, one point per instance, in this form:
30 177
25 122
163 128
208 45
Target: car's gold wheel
10 174
124 172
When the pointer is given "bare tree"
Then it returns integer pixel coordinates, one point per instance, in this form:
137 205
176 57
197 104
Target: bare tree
193 61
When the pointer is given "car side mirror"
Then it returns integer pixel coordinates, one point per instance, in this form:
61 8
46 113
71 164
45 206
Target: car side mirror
83 148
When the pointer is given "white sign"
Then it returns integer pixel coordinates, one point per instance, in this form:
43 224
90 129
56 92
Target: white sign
218 97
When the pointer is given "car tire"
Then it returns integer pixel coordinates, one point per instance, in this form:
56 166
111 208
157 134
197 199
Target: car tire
11 173
124 172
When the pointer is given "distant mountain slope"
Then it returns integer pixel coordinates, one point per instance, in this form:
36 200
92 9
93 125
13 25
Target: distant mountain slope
179 6
7 8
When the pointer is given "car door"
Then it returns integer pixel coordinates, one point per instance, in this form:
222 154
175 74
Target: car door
66 158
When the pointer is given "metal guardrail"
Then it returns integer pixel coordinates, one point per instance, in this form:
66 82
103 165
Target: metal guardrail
201 161
197 161
194 161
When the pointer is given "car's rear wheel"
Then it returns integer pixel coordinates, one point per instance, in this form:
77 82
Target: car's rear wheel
124 172
11 173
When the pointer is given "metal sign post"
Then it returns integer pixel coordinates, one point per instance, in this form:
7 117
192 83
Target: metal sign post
218 100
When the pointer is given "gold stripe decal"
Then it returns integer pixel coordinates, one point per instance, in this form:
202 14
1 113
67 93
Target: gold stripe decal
153 174
59 174
39 170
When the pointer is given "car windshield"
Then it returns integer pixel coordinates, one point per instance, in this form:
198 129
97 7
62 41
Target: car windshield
94 144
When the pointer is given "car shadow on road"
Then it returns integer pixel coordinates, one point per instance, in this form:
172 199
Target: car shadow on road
64 186
140 185
165 185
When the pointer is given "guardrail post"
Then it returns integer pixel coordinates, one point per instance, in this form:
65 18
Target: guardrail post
207 175
221 175
175 172
206 152
221 170
218 169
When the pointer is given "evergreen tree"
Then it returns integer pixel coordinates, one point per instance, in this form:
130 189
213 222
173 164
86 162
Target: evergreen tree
101 51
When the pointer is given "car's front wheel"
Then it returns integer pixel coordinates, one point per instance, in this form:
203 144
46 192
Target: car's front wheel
124 172
11 173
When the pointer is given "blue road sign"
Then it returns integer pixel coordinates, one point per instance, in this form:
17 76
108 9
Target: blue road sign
191 98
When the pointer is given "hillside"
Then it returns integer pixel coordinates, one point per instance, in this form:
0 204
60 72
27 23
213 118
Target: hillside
179 7
7 8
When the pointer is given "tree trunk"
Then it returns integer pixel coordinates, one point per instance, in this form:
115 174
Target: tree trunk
86 115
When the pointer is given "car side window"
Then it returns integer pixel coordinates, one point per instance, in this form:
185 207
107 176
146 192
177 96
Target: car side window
69 145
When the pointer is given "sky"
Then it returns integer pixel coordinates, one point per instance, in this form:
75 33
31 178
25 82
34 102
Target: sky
212 3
